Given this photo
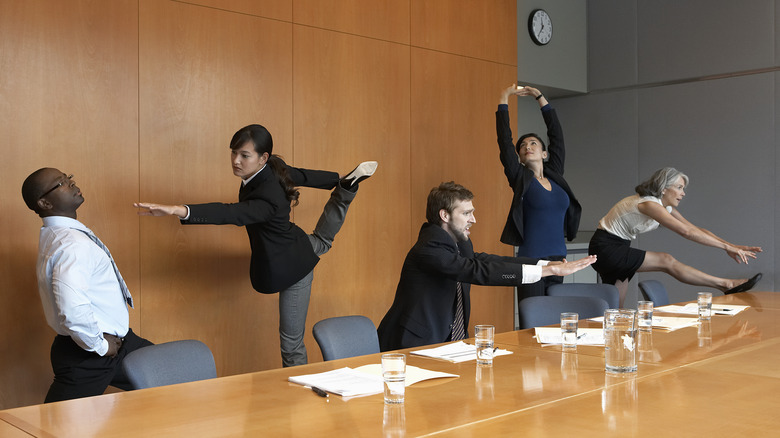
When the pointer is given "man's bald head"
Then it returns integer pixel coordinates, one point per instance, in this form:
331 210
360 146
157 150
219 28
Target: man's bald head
49 192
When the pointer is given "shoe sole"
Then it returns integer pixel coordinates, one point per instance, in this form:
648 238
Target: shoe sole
362 171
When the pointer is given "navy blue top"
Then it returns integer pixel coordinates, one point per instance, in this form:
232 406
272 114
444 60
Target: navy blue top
543 214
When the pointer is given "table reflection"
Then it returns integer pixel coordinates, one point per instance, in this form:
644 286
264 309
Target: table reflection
569 364
705 333
484 382
619 401
394 421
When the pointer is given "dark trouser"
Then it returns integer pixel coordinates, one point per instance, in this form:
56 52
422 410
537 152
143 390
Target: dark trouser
539 288
80 373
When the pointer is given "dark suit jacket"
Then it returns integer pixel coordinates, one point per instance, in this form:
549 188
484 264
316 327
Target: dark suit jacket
520 177
424 305
281 251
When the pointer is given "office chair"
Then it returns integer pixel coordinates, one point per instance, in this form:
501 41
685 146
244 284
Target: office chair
539 311
654 290
607 292
169 363
346 336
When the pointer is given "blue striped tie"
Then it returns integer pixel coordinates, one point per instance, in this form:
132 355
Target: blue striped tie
122 284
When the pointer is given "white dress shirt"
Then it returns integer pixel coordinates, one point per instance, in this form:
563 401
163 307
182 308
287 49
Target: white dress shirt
533 273
626 221
79 289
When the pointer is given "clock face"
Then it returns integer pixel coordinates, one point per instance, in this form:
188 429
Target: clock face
540 27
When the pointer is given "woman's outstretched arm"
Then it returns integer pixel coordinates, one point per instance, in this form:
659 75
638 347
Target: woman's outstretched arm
677 223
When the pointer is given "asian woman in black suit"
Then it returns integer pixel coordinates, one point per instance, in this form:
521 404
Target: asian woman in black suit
283 255
544 211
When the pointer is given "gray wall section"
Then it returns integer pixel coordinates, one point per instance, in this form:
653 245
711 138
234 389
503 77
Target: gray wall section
694 85
611 44
693 38
560 66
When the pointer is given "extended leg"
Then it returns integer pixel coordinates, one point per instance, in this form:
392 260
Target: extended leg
331 220
661 261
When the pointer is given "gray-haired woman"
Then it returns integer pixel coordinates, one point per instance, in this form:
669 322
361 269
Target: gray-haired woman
656 204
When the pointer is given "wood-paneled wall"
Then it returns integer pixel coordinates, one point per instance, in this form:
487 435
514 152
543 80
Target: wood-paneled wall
139 98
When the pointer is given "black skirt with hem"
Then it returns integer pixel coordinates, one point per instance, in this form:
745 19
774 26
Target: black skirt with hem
616 259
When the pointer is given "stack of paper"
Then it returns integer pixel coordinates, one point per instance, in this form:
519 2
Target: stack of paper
364 380
693 309
668 323
456 352
727 309
585 336
672 323
413 374
343 381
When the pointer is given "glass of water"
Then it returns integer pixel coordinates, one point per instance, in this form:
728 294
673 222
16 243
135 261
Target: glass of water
705 304
569 322
483 339
394 376
620 340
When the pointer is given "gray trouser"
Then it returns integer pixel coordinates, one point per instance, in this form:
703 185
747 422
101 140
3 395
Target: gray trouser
294 301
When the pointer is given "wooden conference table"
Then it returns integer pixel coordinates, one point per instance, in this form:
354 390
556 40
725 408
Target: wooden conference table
717 380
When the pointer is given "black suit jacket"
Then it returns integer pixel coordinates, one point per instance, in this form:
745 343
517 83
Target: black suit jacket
424 305
281 251
520 177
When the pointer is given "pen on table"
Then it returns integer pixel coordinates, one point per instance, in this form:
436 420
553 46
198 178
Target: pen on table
319 392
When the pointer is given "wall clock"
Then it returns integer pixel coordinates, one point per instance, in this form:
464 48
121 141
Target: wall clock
540 27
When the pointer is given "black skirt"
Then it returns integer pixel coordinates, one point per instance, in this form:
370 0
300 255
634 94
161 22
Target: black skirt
617 260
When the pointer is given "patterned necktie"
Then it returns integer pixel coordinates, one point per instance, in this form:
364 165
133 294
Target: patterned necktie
122 284
458 330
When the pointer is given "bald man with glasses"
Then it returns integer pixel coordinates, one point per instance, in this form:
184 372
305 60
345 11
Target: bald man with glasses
82 292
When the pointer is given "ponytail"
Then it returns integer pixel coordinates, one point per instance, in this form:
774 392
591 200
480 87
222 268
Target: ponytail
285 181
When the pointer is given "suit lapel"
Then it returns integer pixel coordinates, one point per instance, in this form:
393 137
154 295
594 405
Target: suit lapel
246 189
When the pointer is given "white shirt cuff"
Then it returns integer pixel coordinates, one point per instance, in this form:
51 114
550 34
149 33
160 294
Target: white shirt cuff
532 273
188 213
103 348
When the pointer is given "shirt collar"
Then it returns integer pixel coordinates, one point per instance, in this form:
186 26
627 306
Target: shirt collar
246 181
65 222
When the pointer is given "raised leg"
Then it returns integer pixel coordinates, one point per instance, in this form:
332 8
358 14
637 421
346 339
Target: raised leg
331 220
661 261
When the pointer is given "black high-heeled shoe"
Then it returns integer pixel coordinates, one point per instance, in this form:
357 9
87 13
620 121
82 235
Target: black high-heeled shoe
746 286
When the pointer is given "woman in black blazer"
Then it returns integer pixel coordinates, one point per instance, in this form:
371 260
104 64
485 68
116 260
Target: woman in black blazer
283 255
544 210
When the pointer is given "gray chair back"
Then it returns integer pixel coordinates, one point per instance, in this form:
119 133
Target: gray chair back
540 311
654 290
169 363
607 292
346 336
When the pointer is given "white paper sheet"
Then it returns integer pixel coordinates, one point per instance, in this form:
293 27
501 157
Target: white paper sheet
693 309
585 336
363 380
456 352
343 381
413 374
668 323
672 323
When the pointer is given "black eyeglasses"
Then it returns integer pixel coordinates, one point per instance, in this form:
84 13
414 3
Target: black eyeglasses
59 184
